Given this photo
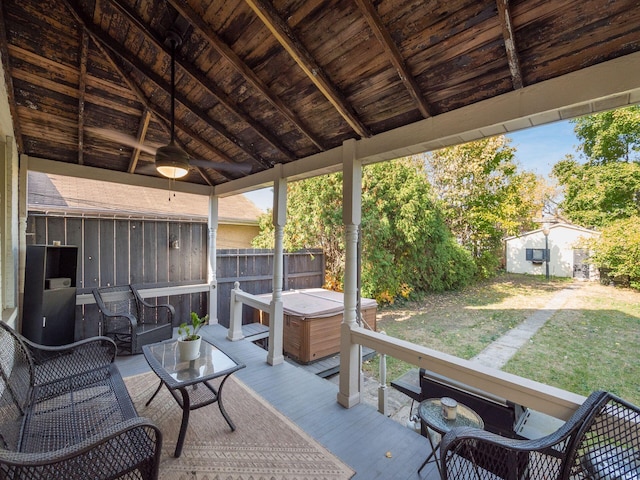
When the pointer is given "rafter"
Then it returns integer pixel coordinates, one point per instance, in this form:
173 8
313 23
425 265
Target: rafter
106 51
223 49
82 88
140 137
305 61
375 22
107 43
510 43
227 102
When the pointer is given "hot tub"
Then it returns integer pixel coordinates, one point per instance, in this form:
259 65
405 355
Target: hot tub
312 319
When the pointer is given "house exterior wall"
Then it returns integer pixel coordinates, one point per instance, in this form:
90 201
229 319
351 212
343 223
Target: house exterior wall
236 236
562 241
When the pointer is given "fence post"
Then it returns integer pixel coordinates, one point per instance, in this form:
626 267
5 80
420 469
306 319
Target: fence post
235 316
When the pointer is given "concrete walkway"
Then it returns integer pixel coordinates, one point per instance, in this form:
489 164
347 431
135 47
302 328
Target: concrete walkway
496 355
500 351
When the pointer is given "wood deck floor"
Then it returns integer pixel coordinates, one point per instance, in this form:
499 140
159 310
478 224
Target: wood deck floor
359 436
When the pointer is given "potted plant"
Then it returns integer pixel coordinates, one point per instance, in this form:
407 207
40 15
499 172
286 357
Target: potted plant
188 339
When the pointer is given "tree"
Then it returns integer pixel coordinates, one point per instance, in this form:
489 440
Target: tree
597 195
618 249
483 196
612 136
406 246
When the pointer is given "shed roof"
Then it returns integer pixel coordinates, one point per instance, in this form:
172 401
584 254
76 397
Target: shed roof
79 196
554 226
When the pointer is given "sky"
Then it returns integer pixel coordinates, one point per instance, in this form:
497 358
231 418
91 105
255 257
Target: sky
537 150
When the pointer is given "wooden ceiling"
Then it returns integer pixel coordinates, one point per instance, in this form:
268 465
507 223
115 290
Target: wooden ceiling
261 82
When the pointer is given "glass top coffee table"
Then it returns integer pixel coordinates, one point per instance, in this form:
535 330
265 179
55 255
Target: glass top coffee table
188 381
431 414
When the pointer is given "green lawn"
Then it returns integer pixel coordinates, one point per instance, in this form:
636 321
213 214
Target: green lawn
590 344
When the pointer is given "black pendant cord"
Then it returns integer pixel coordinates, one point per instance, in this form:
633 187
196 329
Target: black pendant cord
173 88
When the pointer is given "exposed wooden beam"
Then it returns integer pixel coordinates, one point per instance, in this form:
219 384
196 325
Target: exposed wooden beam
375 23
141 135
106 44
279 28
510 43
223 49
227 102
82 88
8 79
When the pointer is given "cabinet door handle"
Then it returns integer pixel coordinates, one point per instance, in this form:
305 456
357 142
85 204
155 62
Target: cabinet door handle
44 322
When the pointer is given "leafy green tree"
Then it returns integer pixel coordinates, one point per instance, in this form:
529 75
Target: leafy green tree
595 195
612 136
483 196
406 246
618 249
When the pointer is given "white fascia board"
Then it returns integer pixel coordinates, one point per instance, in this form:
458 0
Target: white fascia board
82 171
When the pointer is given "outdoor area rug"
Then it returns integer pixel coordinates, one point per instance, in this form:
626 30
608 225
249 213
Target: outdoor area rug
265 445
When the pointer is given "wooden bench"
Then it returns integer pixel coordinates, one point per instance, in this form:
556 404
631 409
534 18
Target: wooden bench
65 413
499 415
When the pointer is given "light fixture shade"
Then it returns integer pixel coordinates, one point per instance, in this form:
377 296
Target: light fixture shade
172 161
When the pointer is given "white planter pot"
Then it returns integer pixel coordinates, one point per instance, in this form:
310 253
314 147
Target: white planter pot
189 349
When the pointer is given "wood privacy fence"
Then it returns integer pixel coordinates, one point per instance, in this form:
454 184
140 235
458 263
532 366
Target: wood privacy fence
165 254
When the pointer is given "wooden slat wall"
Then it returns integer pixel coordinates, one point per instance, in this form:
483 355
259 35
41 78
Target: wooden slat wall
116 251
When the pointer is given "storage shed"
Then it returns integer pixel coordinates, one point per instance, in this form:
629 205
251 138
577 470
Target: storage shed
563 251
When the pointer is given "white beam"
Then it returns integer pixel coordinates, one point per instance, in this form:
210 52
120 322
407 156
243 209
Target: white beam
92 173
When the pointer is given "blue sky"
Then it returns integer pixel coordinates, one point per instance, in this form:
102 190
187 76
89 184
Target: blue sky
537 150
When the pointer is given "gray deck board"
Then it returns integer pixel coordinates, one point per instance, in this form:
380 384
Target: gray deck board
359 436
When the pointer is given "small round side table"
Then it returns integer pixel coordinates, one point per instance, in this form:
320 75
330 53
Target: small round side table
430 412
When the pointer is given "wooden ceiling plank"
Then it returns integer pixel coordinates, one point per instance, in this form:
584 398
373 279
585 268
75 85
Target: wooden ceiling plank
140 137
228 103
97 38
106 45
82 88
225 51
382 34
303 58
510 43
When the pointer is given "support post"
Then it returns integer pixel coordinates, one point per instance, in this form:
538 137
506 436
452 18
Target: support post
382 388
235 316
275 355
349 386
212 252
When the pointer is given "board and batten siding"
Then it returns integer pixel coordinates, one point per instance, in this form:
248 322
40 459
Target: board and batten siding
144 252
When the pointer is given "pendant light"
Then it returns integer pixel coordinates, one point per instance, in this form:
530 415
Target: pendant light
171 161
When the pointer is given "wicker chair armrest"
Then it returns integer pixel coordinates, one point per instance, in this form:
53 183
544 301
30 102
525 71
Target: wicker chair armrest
134 443
171 311
55 363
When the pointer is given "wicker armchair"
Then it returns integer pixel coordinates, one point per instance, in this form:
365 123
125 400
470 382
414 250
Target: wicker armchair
600 441
130 321
65 413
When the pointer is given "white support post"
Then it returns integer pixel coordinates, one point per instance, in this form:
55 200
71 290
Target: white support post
349 387
212 228
275 355
235 316
382 388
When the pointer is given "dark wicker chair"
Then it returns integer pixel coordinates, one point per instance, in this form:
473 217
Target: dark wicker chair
130 321
600 441
65 413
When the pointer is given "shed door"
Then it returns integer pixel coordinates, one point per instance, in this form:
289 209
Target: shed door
580 265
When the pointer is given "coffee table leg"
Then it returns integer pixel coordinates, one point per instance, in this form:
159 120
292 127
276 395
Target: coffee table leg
186 409
154 395
222 410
